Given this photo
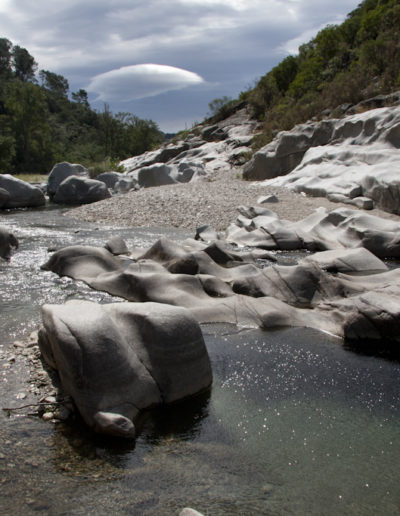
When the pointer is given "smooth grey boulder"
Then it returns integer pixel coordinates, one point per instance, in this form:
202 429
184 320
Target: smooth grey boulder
109 178
347 261
21 194
4 197
158 174
8 241
116 246
61 171
124 184
80 190
118 359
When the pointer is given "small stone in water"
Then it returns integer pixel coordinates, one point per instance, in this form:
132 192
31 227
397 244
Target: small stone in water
267 488
47 416
21 395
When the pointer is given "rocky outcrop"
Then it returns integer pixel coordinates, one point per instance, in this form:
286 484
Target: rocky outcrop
109 178
205 150
351 160
342 291
61 171
118 359
19 194
8 241
342 228
80 190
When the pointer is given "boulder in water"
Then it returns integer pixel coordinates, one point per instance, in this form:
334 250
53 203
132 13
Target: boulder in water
118 359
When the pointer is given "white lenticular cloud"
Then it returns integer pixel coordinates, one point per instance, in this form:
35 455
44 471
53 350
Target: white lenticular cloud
140 81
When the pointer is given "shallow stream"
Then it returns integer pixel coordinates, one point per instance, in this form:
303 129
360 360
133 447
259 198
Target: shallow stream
294 424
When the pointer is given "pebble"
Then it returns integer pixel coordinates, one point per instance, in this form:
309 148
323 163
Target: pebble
48 416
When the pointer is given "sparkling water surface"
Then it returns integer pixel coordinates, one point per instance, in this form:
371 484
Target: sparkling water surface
294 424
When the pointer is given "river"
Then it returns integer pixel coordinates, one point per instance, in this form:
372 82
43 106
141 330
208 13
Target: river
295 423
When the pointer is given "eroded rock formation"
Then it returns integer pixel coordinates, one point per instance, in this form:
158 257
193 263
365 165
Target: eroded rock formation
118 359
343 291
351 160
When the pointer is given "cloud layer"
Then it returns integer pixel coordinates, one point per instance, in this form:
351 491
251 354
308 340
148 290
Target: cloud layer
227 44
141 81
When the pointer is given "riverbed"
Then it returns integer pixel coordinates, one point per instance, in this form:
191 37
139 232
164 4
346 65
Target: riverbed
294 423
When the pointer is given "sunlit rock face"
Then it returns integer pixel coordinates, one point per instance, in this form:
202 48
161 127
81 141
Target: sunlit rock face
118 359
346 159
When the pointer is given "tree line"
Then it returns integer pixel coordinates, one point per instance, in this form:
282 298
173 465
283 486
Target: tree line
343 64
42 122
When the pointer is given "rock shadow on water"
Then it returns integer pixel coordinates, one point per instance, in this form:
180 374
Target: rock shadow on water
385 349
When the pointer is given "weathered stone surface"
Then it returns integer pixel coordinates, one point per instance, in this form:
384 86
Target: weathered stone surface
109 178
20 193
154 175
8 241
4 197
329 291
219 147
346 160
61 171
322 230
80 190
116 246
125 184
117 359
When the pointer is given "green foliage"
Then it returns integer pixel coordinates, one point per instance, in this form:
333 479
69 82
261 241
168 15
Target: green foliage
106 165
221 108
342 64
24 64
40 125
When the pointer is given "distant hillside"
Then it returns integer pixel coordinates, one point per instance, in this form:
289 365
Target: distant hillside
343 64
41 123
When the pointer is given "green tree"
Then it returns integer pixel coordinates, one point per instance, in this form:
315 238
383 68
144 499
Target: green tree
81 97
55 83
285 73
27 113
5 58
24 64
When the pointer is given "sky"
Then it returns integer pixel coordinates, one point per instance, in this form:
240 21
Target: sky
164 60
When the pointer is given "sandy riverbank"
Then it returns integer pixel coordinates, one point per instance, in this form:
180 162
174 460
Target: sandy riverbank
190 205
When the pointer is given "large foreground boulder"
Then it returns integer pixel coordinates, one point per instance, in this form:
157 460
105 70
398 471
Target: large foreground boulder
117 359
8 241
20 193
80 190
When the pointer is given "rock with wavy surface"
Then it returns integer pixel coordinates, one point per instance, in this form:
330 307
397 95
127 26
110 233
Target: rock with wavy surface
118 359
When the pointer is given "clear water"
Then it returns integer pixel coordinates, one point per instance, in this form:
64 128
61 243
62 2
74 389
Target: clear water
294 423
